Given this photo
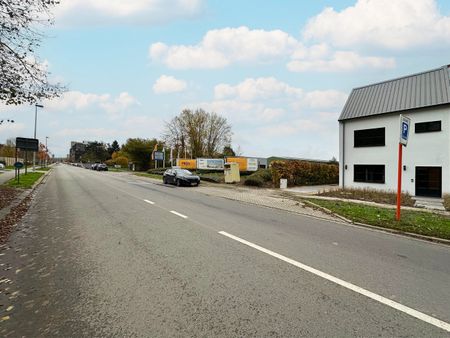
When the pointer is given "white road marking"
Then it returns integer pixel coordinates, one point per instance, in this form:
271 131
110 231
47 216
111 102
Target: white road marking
178 214
149 202
414 313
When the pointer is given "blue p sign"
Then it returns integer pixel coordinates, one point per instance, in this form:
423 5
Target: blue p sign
404 129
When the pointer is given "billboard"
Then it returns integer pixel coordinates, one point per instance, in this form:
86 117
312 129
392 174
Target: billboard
158 155
27 144
245 164
186 163
210 163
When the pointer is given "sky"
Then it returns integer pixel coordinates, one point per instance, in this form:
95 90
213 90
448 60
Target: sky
279 71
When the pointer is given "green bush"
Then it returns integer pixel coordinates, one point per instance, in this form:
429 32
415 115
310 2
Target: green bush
304 173
255 181
259 178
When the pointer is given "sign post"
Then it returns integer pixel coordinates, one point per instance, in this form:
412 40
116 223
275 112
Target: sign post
405 123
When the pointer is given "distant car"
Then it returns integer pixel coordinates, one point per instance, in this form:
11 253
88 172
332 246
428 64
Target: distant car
94 166
180 177
2 166
102 167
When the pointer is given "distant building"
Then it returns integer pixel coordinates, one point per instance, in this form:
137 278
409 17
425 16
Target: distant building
77 150
369 134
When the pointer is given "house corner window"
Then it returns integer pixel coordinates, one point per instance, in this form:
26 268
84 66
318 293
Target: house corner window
369 173
370 137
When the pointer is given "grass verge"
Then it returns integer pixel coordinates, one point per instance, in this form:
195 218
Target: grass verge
44 169
159 177
370 195
423 223
26 181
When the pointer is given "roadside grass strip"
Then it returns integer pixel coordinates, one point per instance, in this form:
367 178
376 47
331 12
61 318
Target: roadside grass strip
26 180
397 306
159 177
423 223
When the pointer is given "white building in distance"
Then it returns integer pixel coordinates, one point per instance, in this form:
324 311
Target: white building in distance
369 134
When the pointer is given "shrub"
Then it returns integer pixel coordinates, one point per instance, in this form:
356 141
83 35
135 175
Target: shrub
447 202
122 161
255 181
259 178
304 173
158 171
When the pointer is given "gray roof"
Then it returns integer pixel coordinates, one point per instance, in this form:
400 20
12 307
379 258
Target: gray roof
427 89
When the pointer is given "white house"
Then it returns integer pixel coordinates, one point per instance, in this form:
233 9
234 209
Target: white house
369 134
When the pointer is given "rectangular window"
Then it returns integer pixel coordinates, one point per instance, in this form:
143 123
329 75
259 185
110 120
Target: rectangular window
370 173
428 127
369 137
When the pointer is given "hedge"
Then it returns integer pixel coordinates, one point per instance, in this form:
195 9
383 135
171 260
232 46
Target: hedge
259 178
304 173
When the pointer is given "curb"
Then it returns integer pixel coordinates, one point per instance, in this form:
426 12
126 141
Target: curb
387 230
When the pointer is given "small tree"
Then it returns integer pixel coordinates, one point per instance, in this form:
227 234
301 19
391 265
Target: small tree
198 133
113 147
139 151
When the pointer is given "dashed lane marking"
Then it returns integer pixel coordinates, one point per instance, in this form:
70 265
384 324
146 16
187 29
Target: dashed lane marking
178 214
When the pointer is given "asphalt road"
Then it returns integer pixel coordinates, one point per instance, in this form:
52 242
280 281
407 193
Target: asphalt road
102 254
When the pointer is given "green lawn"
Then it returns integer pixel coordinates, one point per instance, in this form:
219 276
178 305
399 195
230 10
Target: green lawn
44 169
26 181
424 223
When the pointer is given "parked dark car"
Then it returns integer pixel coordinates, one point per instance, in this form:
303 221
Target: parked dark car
102 167
180 177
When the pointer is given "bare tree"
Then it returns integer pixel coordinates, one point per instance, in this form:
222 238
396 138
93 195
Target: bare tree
23 78
198 133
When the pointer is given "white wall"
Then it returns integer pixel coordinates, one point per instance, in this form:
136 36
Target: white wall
425 149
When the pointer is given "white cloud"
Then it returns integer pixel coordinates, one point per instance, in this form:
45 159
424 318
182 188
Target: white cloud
266 89
339 61
260 88
168 84
395 24
74 101
74 12
222 47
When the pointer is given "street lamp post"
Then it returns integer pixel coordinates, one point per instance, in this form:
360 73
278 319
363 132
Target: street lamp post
46 151
35 125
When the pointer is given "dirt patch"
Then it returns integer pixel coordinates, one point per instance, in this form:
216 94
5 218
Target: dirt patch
14 216
7 196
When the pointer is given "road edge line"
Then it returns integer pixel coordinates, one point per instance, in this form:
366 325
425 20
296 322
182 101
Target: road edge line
352 287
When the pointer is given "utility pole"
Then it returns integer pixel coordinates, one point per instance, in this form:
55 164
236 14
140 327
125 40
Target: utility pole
35 126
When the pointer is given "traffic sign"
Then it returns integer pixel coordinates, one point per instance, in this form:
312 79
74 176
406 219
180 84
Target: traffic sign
405 123
18 165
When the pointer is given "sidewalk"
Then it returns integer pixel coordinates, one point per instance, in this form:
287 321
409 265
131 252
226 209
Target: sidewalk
6 176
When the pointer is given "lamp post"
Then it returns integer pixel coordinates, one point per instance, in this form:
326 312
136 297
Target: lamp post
35 125
46 151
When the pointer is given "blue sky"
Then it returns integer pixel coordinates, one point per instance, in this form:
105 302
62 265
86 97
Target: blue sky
280 71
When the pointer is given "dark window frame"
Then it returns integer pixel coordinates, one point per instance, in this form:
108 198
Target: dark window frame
369 173
364 138
428 127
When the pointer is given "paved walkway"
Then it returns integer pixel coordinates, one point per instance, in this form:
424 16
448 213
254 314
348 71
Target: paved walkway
6 176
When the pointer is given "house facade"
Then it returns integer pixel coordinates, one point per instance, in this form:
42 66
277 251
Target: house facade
369 131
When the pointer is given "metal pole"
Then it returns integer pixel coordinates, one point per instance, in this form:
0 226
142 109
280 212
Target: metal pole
46 151
35 125
399 181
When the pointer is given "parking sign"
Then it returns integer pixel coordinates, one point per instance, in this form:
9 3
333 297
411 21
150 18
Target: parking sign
405 123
